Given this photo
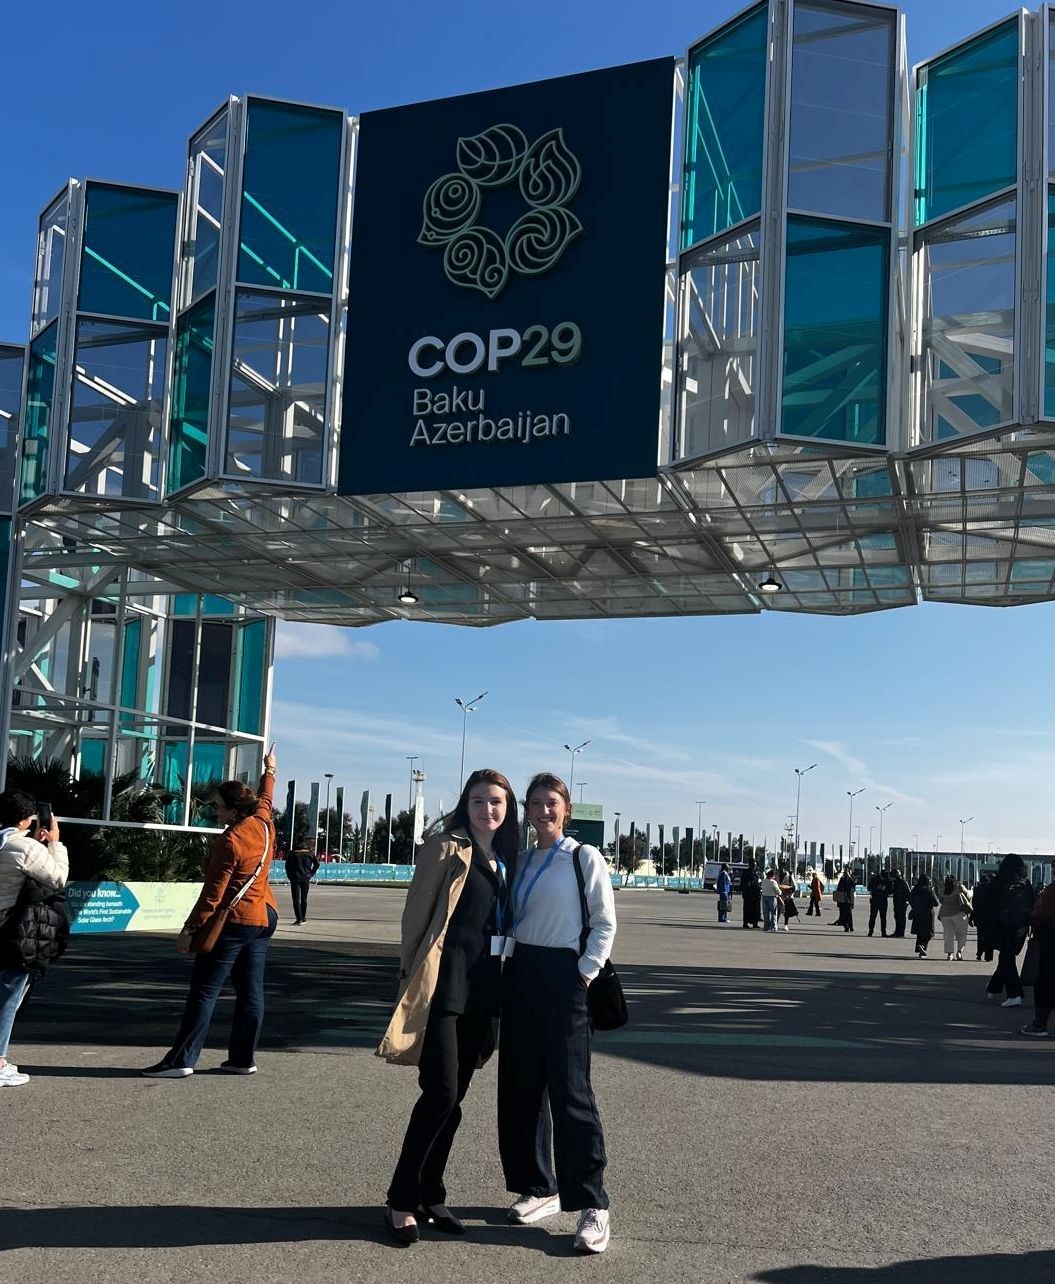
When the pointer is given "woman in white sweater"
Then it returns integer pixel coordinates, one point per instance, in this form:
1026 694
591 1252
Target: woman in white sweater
546 1035
28 852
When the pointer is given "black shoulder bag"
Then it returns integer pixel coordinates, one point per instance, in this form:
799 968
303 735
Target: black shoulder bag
605 1001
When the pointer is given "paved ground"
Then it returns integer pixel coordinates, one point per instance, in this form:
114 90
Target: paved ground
793 1109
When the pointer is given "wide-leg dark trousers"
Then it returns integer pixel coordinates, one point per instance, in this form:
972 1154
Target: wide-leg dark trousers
545 1045
449 1056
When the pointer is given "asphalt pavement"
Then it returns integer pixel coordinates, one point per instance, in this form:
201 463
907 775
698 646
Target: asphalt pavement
790 1109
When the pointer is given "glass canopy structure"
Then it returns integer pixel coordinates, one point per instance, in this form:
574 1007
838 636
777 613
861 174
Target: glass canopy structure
859 397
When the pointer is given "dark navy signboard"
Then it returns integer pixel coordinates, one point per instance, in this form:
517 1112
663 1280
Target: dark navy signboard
505 323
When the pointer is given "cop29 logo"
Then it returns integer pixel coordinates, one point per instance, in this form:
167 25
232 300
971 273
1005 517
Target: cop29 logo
548 175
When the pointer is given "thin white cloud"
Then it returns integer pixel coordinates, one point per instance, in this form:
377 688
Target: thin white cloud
858 770
296 641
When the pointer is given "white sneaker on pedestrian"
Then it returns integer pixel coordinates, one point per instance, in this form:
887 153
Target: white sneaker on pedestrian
229 1067
1016 1002
593 1232
163 1071
532 1208
12 1077
786 928
1033 1031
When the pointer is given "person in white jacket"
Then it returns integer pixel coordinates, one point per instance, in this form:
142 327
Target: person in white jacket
546 1035
28 852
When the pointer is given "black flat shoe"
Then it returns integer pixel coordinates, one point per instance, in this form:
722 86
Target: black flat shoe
448 1223
404 1236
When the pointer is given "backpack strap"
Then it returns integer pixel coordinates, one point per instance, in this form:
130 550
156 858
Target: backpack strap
584 909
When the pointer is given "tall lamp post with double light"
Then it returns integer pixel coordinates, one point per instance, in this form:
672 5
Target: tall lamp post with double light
799 773
411 760
966 821
881 810
699 829
573 752
467 707
852 794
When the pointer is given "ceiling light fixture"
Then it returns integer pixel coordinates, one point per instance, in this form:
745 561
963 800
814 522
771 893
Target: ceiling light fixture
770 584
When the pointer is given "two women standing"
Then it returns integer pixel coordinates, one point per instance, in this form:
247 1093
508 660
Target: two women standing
473 902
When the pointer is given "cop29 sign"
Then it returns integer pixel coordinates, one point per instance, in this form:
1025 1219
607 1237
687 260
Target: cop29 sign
505 321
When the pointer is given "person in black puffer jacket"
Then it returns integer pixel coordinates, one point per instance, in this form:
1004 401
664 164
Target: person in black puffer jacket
1007 913
34 866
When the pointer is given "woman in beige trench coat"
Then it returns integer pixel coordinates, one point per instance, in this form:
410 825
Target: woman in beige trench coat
449 989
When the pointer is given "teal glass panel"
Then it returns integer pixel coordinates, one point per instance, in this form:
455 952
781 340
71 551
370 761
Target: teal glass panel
187 604
290 191
835 332
842 99
5 554
129 243
12 364
117 409
249 713
722 182
130 650
1049 315
173 778
967 357
93 757
191 381
40 394
967 123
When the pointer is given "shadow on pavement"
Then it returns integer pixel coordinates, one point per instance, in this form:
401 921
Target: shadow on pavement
191 1225
797 1025
990 1268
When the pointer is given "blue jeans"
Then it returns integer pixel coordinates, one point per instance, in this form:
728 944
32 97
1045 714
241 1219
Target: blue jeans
240 953
769 913
13 986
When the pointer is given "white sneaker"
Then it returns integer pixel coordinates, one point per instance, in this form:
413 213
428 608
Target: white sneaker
593 1232
533 1208
1011 1003
12 1077
786 929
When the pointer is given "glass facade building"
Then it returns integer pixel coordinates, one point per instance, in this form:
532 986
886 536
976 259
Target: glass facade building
859 382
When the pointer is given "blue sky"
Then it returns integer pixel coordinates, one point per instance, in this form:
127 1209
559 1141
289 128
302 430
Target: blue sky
941 711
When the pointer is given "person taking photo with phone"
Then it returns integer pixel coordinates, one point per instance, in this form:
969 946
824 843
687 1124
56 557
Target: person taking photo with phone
30 854
229 929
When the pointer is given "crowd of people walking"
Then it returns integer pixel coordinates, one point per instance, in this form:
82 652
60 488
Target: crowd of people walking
1003 908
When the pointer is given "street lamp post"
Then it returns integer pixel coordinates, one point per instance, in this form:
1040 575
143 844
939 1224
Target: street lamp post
799 773
582 786
467 707
329 777
881 810
966 821
573 752
615 847
699 829
852 794
411 759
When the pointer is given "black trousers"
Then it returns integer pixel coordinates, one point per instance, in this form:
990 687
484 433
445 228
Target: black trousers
900 917
545 1045
449 1055
752 910
1006 977
815 906
299 891
877 909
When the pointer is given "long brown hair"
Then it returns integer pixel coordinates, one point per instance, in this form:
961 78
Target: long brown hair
506 841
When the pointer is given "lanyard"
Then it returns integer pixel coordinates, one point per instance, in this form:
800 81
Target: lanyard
502 900
519 909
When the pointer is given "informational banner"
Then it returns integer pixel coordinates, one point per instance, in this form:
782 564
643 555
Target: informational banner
507 285
339 804
130 907
350 872
313 817
291 815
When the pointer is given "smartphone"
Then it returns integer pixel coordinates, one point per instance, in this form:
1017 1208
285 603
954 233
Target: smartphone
44 815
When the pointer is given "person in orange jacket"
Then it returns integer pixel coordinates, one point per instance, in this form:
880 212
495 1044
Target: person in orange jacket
236 885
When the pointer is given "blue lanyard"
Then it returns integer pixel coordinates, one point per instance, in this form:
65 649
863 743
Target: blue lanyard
519 910
502 899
